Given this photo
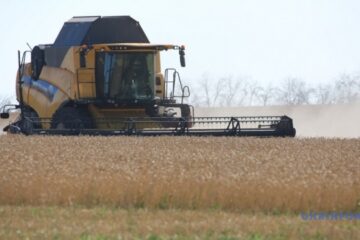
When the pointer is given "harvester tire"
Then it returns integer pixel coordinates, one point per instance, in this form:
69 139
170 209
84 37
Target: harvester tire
186 112
30 122
71 118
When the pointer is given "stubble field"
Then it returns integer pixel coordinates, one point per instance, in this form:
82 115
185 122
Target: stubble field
177 187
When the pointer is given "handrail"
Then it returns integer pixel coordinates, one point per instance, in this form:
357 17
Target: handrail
175 76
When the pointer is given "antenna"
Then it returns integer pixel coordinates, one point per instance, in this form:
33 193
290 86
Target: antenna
29 46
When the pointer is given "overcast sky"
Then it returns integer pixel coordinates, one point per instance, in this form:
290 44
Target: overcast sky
266 40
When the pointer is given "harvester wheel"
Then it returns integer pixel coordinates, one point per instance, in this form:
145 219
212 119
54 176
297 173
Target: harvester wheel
30 122
71 118
186 112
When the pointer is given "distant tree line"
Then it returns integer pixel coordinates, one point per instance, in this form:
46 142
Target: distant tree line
229 91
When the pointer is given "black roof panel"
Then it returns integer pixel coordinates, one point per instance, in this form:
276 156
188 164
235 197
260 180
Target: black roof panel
96 30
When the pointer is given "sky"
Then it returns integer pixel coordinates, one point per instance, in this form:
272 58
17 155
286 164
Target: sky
266 41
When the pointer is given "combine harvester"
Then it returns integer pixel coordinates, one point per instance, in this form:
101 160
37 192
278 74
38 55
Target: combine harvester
103 77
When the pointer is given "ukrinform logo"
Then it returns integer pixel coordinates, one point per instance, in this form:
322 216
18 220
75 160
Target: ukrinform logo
330 216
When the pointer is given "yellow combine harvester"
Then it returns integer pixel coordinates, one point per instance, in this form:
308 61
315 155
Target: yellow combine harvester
102 76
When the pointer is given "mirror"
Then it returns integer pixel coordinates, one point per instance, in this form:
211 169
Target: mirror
4 115
37 62
186 91
182 57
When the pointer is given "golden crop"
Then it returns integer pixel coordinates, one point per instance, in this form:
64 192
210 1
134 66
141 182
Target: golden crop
241 174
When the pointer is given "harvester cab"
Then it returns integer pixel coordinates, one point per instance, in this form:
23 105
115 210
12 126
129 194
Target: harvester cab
103 76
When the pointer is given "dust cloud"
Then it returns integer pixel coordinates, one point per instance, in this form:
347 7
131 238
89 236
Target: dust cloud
340 121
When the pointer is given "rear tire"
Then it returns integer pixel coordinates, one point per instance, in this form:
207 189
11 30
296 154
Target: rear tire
71 118
186 113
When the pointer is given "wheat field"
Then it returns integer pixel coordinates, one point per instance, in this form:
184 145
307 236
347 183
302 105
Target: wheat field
176 187
237 174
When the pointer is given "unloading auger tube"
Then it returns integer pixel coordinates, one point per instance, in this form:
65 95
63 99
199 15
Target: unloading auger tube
264 126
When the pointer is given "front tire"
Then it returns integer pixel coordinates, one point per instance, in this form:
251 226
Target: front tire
70 118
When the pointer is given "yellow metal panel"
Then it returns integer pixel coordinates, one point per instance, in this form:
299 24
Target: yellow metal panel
86 82
159 88
27 72
157 63
90 59
109 113
58 100
39 102
44 106
86 75
61 78
86 90
68 62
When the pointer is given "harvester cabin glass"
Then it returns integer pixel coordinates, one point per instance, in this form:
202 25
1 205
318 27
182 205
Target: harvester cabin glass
125 76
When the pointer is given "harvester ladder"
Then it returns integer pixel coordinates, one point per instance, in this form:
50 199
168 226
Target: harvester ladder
172 82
